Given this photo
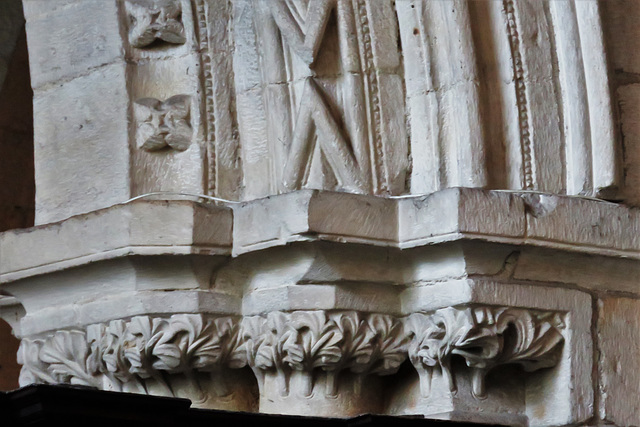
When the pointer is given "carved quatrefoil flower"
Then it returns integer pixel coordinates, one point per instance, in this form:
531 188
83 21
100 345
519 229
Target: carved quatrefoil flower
163 124
155 22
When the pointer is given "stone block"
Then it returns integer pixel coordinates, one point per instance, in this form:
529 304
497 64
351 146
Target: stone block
69 38
619 356
588 271
82 145
619 19
629 102
561 395
139 228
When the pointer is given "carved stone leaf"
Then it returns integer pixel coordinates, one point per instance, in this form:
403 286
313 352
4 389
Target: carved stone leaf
252 337
537 339
203 342
391 344
66 354
154 143
357 346
485 337
271 354
113 346
144 334
163 124
314 341
170 351
471 336
95 363
179 136
228 330
425 347
34 370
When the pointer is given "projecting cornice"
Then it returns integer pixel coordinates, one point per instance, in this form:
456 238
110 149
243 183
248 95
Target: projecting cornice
178 227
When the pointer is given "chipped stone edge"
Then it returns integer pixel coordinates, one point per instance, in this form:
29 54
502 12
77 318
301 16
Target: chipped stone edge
311 215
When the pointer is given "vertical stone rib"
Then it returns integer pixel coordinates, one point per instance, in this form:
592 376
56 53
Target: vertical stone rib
202 35
380 180
461 137
457 126
278 96
575 101
605 153
521 95
421 98
353 89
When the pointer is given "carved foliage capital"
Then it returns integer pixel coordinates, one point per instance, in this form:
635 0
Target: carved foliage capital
122 354
127 355
332 342
484 337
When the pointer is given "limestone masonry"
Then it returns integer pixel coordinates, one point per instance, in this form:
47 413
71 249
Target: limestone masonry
331 208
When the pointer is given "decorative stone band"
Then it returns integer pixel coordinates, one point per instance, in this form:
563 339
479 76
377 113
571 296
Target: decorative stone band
333 342
142 354
485 337
133 355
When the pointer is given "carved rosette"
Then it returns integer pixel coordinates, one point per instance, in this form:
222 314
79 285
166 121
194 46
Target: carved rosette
150 23
484 337
312 341
164 124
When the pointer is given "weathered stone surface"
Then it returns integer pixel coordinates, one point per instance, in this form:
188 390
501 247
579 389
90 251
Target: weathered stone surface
59 51
73 122
618 348
133 229
629 96
410 227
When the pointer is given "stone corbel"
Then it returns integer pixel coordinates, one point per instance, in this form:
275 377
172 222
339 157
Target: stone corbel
485 337
321 356
185 355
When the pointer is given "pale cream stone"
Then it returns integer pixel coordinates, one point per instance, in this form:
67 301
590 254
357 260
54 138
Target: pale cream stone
82 145
59 51
618 349
397 237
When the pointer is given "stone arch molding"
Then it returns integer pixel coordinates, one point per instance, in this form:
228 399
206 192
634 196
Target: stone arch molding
296 281
243 99
403 96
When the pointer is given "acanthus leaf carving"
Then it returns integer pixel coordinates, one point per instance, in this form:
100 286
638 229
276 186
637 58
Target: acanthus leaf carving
391 341
307 341
34 370
122 355
66 358
484 337
164 124
313 342
151 22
